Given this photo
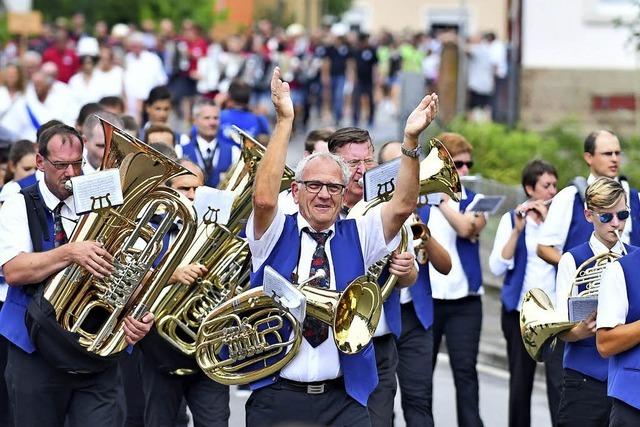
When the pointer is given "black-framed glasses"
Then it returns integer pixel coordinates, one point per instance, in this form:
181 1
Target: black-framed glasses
77 165
607 217
459 164
316 186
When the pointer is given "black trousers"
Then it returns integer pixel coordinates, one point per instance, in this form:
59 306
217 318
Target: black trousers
415 373
380 402
359 90
132 394
460 322
522 369
5 417
41 395
281 405
623 415
584 401
207 400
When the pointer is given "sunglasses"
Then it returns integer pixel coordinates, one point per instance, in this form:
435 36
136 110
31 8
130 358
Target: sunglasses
459 164
608 216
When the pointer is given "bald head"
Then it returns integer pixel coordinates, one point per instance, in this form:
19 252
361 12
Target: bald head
389 151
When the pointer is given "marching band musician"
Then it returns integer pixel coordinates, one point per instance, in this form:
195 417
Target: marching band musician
30 252
332 388
514 255
164 384
355 147
457 306
415 343
584 400
618 338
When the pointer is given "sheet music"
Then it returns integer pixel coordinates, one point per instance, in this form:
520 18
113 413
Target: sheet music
581 307
284 293
381 179
213 205
97 191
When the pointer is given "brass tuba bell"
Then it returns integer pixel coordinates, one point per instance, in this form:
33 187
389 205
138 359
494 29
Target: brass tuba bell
94 309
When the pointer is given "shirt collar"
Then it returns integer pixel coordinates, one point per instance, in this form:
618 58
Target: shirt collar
203 144
302 223
50 200
599 248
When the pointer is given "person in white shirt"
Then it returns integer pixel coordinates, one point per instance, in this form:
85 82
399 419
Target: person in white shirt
84 85
333 388
585 371
457 306
514 256
565 226
110 75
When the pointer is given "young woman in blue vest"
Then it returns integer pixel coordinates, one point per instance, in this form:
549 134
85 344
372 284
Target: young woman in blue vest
457 307
584 401
514 256
566 226
618 337
344 249
21 168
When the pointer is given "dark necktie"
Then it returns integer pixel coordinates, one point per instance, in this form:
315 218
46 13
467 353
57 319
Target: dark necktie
60 237
315 331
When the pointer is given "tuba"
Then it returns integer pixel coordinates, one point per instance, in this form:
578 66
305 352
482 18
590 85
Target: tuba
249 327
94 309
181 309
540 324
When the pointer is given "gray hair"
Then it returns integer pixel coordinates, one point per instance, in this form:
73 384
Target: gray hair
92 122
202 102
303 164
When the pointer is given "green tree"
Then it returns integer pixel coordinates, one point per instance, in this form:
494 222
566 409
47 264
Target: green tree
338 7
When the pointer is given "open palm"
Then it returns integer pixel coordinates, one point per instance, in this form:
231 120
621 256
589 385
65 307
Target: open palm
281 96
422 116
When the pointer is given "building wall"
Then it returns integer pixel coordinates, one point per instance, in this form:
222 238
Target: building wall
418 15
549 96
574 34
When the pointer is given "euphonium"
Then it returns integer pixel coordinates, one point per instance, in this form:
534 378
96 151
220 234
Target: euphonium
540 324
95 309
181 309
420 233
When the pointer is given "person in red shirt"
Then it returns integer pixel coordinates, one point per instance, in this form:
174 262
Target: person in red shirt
61 54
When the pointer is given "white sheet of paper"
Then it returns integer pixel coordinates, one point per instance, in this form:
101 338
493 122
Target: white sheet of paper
488 204
97 190
290 297
213 205
381 179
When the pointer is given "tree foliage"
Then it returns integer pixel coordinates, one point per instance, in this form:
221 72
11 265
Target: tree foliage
338 7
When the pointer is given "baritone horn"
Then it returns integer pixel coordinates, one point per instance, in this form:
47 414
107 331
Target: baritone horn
94 309
540 323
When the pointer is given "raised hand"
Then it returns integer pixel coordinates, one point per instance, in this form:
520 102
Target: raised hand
422 116
281 96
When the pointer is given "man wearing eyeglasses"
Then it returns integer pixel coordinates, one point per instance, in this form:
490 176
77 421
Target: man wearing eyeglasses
355 147
565 226
32 248
320 384
584 401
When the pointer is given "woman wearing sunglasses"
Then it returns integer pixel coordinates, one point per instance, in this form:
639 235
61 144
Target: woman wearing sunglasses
457 306
514 256
584 401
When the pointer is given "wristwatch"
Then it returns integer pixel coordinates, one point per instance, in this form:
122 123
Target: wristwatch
413 153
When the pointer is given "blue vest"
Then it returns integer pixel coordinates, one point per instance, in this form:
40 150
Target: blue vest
392 306
12 315
583 356
624 368
191 151
360 373
27 181
580 229
421 290
468 251
514 278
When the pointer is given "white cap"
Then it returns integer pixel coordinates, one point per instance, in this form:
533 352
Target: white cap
88 46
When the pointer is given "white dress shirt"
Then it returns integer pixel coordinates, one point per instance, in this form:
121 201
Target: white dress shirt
286 203
455 284
142 73
14 227
556 225
613 303
567 270
322 362
538 273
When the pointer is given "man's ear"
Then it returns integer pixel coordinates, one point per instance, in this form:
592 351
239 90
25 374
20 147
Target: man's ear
40 162
588 215
588 158
295 191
